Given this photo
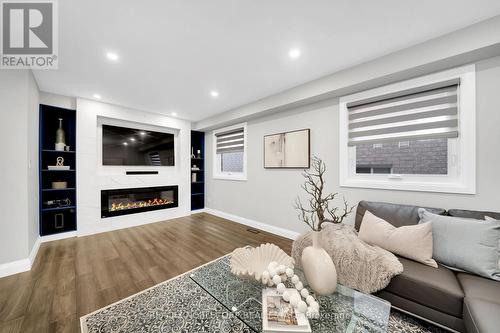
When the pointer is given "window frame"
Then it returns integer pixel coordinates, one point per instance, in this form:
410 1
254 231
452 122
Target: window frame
217 172
461 177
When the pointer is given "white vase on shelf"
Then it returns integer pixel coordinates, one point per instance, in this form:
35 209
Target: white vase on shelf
60 137
319 268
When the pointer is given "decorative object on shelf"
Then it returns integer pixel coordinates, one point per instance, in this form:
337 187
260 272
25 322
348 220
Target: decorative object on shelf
318 265
192 153
58 185
195 168
198 153
271 266
59 221
193 177
67 148
58 203
287 150
59 165
60 137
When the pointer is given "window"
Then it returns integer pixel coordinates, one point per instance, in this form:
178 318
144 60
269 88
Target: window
230 153
232 162
414 135
360 168
404 144
425 157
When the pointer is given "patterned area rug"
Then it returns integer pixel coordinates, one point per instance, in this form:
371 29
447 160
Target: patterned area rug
181 305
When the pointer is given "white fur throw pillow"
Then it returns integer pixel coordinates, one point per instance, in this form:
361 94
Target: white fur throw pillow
412 242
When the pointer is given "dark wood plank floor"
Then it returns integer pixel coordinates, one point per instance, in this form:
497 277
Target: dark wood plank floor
75 276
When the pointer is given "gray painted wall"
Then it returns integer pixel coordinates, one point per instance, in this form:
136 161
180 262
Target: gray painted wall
19 166
267 195
33 168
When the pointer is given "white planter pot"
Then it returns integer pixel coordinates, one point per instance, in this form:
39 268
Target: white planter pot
319 268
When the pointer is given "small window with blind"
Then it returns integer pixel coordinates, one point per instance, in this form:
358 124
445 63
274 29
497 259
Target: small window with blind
230 152
416 135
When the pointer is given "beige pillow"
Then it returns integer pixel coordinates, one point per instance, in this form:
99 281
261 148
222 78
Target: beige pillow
412 242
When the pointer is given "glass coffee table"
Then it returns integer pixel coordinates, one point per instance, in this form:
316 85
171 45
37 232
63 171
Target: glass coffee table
346 310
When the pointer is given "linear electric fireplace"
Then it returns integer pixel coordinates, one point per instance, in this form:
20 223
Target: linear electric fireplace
137 200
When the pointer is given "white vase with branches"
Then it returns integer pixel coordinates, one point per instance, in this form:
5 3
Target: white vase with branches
316 262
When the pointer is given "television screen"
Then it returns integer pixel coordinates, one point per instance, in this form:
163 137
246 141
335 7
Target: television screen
129 146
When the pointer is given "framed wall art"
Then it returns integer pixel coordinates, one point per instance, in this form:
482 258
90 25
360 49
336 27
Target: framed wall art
288 150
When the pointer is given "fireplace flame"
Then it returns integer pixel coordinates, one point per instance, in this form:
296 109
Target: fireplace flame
139 204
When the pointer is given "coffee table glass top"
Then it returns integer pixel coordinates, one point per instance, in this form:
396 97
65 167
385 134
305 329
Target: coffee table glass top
346 310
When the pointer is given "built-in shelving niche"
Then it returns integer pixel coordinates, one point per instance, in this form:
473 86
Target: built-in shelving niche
198 184
57 218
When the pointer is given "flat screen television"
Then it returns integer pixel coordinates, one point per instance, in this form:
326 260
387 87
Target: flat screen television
130 146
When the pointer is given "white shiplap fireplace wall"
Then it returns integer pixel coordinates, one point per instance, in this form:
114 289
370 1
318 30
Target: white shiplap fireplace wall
92 176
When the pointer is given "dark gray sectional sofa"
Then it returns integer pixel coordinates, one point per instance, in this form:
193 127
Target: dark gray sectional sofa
458 301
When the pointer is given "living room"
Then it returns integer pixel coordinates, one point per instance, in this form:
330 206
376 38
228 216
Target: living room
196 167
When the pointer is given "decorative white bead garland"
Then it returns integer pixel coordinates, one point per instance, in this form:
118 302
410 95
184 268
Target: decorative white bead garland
277 275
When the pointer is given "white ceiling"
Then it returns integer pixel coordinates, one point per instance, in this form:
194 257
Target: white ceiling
174 53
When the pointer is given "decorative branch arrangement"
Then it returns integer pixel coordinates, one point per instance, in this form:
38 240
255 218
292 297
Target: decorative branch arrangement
319 211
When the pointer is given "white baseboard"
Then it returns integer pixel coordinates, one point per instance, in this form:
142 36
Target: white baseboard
34 251
63 235
22 265
254 224
15 267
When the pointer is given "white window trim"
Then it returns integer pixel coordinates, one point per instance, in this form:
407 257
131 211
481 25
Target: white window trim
461 165
217 173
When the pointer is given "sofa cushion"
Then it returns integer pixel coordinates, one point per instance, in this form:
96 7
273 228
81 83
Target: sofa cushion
397 215
409 241
467 244
481 316
477 287
473 214
437 288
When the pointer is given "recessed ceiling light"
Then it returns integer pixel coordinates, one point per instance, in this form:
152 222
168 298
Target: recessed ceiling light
294 53
174 114
97 96
132 139
112 56
142 133
214 93
125 143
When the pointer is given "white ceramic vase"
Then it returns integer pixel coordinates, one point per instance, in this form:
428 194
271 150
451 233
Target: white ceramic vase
319 268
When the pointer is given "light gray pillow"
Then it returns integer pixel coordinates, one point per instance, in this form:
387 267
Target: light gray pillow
467 244
487 218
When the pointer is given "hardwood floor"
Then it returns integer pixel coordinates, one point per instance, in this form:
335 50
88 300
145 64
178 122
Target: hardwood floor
75 276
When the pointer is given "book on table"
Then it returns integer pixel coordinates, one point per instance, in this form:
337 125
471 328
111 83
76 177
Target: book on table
278 316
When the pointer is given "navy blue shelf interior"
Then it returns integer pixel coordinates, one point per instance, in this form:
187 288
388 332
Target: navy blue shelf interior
198 186
56 218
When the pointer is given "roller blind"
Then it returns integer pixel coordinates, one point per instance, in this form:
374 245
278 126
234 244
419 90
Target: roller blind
426 112
230 141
